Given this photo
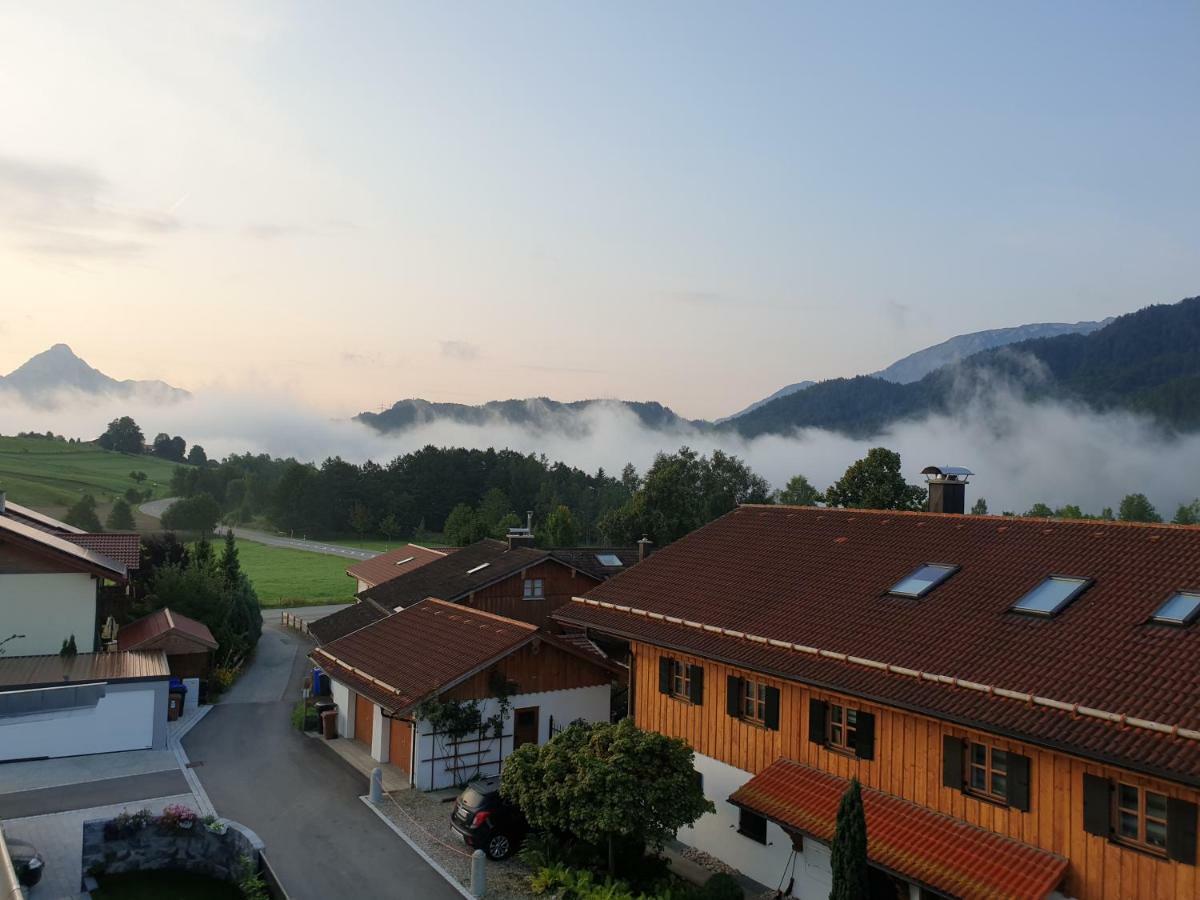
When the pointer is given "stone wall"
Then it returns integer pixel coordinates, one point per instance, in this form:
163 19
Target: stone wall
196 850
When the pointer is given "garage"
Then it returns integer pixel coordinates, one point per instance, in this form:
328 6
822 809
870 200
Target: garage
54 706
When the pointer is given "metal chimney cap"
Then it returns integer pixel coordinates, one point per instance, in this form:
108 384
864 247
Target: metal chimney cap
952 472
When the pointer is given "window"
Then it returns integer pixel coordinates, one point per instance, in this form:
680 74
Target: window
1049 597
843 728
1181 609
922 581
1140 818
987 772
752 825
754 701
534 589
610 560
681 680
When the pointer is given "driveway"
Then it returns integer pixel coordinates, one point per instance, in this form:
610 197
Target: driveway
155 509
299 796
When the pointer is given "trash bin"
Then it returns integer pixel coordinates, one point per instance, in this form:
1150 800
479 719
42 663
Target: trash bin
174 705
329 724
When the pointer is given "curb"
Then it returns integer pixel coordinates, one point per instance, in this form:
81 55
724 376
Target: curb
176 746
434 864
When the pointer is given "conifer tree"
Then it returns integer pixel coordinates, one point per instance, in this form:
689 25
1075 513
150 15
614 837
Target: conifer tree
849 857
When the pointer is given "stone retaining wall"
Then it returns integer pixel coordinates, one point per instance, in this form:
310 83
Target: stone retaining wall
196 850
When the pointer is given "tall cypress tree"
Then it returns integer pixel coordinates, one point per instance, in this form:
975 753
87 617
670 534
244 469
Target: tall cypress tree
231 569
849 858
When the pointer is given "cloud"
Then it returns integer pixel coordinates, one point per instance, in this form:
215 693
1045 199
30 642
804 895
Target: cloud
1023 453
62 210
700 298
271 231
463 351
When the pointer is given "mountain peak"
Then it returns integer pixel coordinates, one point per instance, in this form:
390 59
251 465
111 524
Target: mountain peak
43 376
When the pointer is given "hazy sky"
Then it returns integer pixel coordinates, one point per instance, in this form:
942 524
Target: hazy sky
687 202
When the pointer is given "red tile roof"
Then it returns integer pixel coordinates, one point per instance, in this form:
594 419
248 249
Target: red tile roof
123 546
394 563
159 624
61 548
421 651
818 578
919 844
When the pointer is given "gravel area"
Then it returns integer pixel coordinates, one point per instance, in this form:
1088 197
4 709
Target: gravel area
425 818
707 861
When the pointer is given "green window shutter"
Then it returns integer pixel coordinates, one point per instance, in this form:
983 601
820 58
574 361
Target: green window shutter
818 712
952 762
771 719
664 675
1018 782
1181 831
733 696
1097 811
864 736
697 678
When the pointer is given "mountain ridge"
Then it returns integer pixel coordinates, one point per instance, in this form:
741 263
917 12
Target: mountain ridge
42 378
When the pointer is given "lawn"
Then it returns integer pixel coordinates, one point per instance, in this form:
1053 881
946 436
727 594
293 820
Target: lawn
52 475
429 540
285 577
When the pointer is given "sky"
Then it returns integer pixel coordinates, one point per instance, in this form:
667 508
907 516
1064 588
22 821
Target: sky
348 204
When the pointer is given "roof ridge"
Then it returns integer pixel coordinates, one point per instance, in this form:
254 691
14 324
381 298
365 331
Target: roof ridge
1041 520
473 611
170 619
952 680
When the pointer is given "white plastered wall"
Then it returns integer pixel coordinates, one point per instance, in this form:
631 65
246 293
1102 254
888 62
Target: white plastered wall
48 608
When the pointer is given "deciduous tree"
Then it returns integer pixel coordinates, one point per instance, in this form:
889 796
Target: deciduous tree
559 529
1137 508
799 491
875 482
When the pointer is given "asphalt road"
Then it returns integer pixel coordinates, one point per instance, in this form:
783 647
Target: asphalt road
155 509
300 797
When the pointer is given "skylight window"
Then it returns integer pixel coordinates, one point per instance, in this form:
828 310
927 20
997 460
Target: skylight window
1052 595
922 581
478 568
609 559
1181 609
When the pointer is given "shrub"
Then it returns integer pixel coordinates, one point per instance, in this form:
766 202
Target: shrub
177 817
721 886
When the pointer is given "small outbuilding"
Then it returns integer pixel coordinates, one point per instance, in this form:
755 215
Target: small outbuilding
188 644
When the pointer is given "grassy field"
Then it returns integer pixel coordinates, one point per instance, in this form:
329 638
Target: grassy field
284 577
52 475
429 540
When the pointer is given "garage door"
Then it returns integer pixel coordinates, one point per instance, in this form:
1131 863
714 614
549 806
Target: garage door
119 719
364 719
400 745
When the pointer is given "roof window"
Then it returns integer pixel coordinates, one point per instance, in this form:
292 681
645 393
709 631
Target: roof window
609 559
1181 609
923 580
1052 595
478 568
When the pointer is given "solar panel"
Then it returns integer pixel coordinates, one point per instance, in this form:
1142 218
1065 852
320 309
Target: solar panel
923 580
1181 609
1049 597
609 559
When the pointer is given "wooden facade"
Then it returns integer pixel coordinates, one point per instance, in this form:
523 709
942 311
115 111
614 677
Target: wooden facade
507 597
908 762
535 668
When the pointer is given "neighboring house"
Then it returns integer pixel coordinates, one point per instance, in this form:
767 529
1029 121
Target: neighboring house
435 650
52 706
188 644
392 564
510 578
50 578
1019 697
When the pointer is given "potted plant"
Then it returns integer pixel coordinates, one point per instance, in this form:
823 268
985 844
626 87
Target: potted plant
177 817
214 825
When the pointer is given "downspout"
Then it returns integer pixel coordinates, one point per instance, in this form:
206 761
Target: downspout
10 888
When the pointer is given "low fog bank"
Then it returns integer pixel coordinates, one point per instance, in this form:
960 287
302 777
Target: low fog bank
1021 453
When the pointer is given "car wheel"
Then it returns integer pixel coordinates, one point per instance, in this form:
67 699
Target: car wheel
499 846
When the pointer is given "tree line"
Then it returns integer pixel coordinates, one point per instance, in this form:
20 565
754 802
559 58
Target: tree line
124 435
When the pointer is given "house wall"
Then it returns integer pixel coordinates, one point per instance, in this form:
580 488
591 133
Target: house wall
47 607
344 698
131 716
485 758
536 667
908 764
506 598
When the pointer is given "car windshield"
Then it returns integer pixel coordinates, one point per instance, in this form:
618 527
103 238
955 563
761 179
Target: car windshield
473 797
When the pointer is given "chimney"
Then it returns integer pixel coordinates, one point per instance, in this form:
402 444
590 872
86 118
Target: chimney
947 488
522 537
644 546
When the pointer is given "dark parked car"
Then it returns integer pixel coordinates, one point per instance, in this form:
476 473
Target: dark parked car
26 860
486 821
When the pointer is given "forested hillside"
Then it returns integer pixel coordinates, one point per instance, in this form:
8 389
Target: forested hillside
1147 361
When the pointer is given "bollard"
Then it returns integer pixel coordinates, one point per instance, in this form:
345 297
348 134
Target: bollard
376 786
478 873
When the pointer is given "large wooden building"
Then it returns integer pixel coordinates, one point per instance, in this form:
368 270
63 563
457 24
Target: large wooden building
1020 698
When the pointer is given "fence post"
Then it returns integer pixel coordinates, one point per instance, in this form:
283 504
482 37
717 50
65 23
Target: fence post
377 786
478 874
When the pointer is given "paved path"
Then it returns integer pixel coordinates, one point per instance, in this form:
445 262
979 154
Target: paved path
91 793
299 796
155 509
